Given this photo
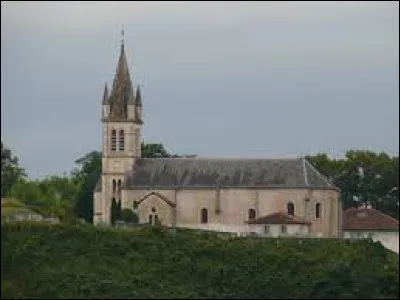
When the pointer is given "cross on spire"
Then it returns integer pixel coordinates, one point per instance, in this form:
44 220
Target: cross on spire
122 35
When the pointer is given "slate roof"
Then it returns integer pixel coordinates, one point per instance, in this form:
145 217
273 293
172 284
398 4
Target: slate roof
368 219
197 172
279 218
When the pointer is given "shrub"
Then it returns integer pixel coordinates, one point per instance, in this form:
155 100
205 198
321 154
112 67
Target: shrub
128 216
62 261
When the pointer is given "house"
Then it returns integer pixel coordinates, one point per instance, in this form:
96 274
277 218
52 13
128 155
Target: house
366 222
280 224
14 210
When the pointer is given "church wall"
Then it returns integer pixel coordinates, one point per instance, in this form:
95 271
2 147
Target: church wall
235 204
191 202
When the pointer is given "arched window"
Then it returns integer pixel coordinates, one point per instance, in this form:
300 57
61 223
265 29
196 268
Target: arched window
204 216
121 140
318 210
113 140
290 209
114 186
252 214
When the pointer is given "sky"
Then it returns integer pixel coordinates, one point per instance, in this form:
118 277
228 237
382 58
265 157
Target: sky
218 79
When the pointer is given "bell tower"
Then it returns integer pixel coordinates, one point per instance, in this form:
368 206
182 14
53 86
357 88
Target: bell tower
121 123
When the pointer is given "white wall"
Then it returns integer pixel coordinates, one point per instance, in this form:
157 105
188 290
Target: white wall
389 239
246 229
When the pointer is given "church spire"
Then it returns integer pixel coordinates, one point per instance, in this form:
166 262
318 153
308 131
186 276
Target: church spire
122 86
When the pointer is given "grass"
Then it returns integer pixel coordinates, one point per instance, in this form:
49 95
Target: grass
79 261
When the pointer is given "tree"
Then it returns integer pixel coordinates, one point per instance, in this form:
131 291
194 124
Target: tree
118 210
113 211
154 151
86 176
11 172
128 216
365 178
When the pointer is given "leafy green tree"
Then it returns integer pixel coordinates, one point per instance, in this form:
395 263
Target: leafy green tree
365 178
128 216
27 191
153 150
86 176
11 172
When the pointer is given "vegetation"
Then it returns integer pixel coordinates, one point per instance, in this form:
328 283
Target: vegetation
364 177
80 261
129 216
11 172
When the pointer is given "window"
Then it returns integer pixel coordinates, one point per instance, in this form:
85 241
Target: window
121 140
135 204
266 229
290 209
283 229
252 214
114 186
204 216
113 140
318 210
153 217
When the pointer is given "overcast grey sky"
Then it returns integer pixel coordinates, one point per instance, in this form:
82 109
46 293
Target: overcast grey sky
233 79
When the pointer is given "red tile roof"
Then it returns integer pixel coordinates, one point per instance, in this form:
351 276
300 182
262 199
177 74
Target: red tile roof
279 218
368 219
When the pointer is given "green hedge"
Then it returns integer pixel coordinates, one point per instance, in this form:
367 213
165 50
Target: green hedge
80 261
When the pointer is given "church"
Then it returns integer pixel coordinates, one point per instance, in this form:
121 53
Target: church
285 196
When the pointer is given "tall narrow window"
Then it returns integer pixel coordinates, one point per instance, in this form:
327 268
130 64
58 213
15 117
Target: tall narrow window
150 219
290 209
318 210
121 140
113 140
252 214
114 186
204 216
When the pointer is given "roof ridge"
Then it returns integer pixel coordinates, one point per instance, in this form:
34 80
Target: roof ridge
319 174
382 213
223 158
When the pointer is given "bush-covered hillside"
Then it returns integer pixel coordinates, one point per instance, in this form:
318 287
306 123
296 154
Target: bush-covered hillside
44 260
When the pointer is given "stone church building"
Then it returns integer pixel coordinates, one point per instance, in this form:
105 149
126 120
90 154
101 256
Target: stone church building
206 193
